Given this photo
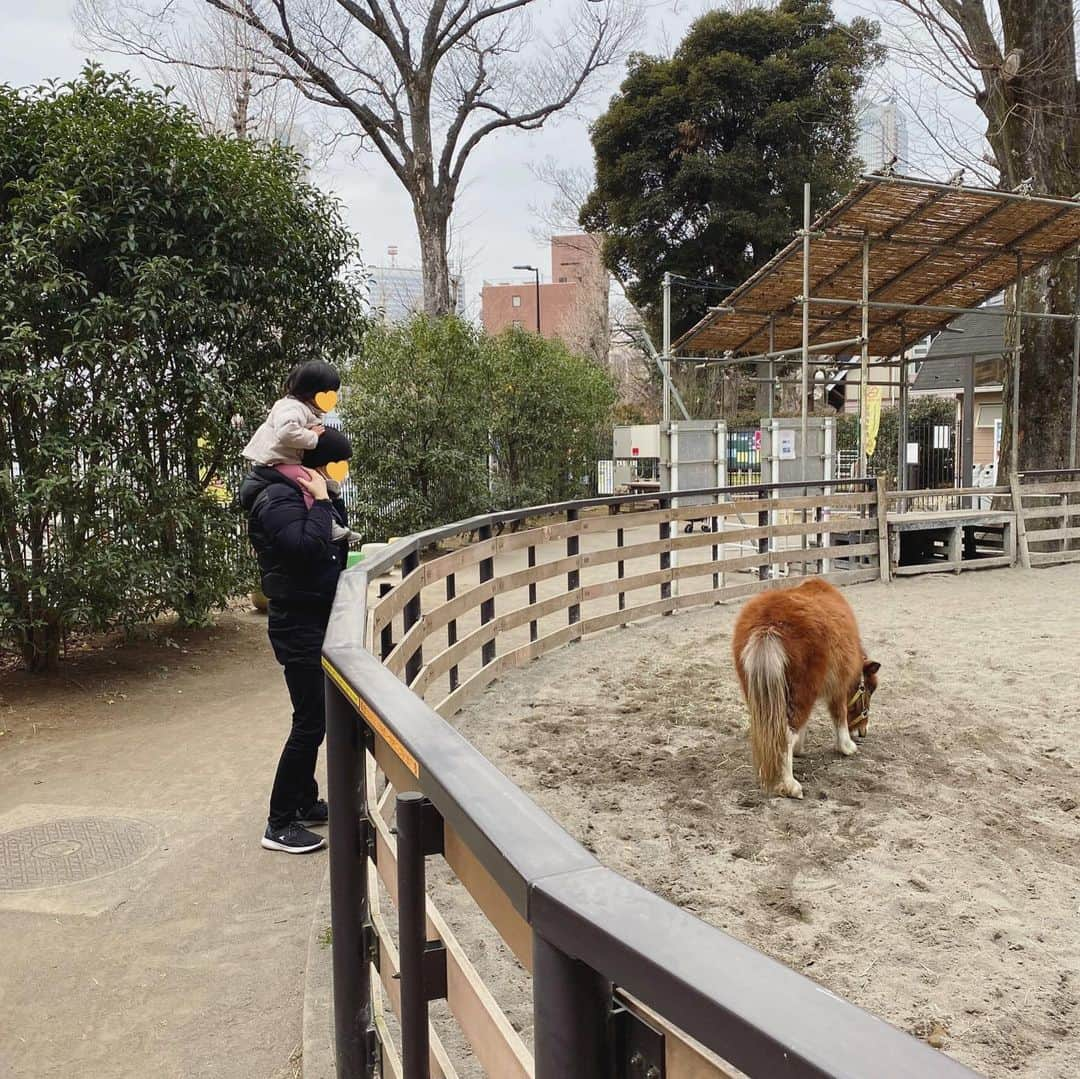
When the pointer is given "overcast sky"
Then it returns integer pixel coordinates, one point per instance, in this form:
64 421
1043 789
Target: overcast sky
494 222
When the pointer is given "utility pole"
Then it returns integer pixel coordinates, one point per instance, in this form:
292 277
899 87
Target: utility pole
667 347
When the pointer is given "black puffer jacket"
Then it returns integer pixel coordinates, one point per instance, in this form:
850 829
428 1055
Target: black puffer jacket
298 561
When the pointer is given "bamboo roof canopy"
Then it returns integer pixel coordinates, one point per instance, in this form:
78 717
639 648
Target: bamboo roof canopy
933 244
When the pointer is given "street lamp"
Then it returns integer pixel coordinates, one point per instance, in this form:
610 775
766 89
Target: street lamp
533 269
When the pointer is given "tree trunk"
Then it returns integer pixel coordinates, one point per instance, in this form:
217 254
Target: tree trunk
431 226
1045 375
1034 130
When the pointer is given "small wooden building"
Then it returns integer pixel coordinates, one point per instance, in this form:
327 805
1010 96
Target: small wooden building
966 363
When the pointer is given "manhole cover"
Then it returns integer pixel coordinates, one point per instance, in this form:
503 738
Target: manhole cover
66 851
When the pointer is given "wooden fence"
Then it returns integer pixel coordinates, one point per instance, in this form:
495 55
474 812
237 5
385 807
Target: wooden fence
624 984
459 624
1047 505
1033 520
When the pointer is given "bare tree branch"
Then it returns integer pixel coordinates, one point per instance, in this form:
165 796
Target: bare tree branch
424 83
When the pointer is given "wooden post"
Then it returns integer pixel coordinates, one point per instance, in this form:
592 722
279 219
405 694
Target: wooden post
664 502
451 629
410 616
571 1016
573 578
967 432
487 606
765 569
883 530
956 547
534 627
386 637
864 354
1021 528
354 1029
621 570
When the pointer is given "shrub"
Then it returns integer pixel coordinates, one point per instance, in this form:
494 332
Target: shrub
415 406
550 420
447 424
157 281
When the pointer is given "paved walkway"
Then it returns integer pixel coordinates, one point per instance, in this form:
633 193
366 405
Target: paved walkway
186 961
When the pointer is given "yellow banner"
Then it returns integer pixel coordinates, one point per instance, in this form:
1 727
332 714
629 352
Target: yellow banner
873 417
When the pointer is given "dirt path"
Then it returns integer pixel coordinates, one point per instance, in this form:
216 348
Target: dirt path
179 951
934 879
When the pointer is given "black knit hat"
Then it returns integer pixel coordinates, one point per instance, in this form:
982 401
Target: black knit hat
332 446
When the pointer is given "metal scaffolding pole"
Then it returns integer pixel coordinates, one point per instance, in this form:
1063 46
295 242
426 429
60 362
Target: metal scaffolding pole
1014 453
980 353
797 381
772 362
665 372
667 347
942 309
1008 196
864 359
1076 363
830 347
805 322
901 427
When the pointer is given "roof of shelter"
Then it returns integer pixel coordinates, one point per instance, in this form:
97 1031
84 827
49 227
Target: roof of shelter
930 243
978 333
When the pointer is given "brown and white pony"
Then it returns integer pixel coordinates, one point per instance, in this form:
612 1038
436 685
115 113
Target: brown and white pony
791 648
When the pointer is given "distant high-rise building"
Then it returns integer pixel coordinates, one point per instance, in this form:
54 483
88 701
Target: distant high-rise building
882 136
398 291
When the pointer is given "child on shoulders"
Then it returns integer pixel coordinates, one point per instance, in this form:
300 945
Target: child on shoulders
295 424
295 420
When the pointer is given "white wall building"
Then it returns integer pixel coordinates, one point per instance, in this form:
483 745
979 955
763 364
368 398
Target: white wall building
882 135
398 291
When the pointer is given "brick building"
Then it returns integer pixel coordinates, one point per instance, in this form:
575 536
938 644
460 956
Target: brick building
573 304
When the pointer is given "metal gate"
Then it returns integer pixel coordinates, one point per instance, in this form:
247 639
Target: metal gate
931 456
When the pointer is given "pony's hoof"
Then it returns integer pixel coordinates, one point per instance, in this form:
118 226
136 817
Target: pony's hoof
849 749
790 788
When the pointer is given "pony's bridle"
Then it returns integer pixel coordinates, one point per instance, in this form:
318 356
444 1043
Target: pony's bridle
864 697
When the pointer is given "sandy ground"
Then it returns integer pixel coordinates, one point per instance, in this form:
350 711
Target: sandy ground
933 879
188 963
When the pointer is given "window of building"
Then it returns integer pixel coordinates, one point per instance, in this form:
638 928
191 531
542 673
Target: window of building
517 324
987 415
563 280
516 301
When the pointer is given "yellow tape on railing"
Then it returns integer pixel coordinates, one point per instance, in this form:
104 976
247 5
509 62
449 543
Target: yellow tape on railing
372 720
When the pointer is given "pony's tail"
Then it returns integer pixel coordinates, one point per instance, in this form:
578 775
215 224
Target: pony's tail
764 664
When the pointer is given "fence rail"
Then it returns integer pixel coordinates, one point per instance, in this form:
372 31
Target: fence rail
622 981
1047 506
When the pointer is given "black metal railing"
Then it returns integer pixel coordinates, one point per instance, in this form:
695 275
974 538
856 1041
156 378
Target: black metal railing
616 970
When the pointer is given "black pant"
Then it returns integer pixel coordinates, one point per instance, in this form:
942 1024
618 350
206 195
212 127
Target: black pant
297 637
295 788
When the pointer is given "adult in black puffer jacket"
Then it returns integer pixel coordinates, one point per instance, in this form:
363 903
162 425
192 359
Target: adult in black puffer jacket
291 513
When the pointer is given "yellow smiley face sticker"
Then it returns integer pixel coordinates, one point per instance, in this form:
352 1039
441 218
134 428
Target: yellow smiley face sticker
338 470
326 400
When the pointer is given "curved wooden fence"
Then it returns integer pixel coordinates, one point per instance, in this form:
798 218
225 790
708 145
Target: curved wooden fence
624 983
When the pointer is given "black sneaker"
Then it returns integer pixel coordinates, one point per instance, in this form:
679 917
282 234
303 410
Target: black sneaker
317 813
292 839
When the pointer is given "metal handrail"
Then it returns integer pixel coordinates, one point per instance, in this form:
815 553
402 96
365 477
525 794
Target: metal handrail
592 929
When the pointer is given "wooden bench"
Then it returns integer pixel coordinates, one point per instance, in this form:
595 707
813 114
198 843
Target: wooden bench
948 532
